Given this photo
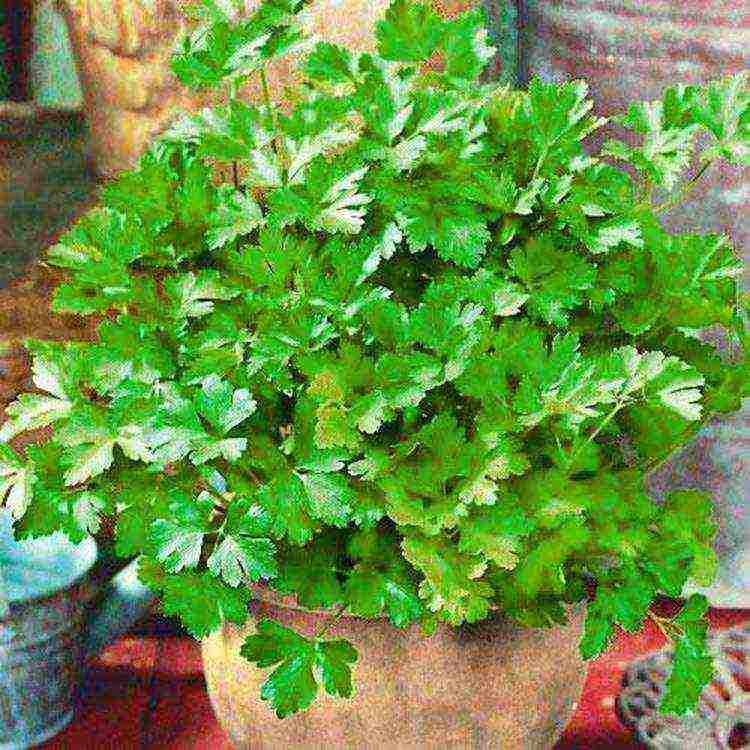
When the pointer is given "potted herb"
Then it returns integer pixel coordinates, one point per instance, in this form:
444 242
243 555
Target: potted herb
381 402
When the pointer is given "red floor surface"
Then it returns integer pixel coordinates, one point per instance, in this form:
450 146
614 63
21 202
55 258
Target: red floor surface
146 692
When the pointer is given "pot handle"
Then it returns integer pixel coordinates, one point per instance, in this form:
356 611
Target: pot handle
125 601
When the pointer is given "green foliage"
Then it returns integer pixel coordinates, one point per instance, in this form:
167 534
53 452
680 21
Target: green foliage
692 666
415 364
224 45
202 601
292 686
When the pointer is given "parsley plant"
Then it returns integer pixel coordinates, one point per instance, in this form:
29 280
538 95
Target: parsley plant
412 359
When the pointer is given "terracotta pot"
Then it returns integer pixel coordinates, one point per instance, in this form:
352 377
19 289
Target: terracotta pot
123 50
491 685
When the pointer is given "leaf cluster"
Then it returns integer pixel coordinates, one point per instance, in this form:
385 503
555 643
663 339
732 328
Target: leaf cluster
415 364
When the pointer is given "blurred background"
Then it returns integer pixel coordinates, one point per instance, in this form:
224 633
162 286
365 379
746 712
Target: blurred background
43 176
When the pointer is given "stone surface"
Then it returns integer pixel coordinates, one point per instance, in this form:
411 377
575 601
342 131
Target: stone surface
491 685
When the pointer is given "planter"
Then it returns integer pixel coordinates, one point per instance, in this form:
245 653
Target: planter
40 639
489 685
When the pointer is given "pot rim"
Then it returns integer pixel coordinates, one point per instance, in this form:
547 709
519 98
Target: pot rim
267 595
289 601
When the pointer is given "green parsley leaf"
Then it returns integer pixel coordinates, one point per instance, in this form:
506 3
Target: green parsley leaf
244 552
451 587
381 581
724 110
692 666
202 602
237 215
292 686
410 31
178 541
16 482
311 573
465 44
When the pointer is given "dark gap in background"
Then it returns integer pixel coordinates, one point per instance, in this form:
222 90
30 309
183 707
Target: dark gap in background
15 49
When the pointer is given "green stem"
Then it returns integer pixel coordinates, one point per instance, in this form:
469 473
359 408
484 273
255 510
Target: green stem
221 501
606 420
662 623
648 192
679 196
539 163
655 463
277 145
265 90
620 405
253 476
669 629
233 89
331 622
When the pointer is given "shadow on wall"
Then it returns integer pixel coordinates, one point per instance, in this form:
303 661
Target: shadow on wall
44 184
43 177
